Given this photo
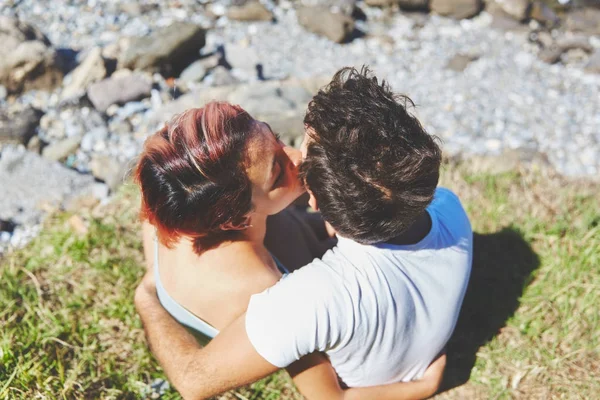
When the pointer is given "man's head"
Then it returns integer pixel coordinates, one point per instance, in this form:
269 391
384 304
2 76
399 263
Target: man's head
369 164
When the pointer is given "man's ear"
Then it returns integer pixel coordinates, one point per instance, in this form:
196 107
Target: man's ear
312 201
239 226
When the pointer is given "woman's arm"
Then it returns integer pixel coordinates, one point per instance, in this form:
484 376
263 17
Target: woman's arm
316 379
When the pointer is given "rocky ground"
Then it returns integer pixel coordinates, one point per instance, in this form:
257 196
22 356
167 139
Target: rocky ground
83 83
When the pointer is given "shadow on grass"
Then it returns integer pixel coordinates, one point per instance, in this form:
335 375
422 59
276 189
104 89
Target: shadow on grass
502 266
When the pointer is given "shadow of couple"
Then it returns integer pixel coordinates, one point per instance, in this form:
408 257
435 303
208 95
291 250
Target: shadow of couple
503 263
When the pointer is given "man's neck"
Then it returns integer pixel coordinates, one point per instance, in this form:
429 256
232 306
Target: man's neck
417 231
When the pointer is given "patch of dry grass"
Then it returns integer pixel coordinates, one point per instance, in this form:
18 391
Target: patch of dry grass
529 327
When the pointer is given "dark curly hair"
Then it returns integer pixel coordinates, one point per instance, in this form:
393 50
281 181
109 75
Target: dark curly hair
370 164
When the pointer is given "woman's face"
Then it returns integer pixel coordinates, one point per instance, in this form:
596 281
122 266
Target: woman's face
273 171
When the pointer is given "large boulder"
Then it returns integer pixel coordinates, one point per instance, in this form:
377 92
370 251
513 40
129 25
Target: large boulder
119 90
334 26
457 9
19 126
27 59
168 50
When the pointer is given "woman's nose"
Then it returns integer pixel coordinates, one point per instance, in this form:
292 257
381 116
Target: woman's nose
293 154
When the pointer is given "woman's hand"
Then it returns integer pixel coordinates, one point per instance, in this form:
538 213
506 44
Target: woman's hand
435 373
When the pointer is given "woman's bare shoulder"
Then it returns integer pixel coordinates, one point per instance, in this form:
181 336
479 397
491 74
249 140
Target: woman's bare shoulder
235 276
255 268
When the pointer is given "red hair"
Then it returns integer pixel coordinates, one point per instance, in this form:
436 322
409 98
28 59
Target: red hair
192 175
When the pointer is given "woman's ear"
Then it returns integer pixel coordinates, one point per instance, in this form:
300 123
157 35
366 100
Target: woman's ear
239 226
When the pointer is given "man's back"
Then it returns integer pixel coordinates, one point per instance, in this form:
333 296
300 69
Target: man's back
380 312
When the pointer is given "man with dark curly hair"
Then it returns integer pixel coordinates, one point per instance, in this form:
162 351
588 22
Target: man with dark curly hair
381 304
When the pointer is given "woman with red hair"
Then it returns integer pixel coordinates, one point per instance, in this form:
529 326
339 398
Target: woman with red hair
209 180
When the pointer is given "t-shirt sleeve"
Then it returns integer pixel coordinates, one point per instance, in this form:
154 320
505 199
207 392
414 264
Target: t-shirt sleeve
289 319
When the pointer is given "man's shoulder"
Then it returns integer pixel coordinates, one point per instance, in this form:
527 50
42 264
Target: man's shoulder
315 273
448 206
444 195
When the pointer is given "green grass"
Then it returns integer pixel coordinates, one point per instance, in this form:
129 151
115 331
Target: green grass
529 327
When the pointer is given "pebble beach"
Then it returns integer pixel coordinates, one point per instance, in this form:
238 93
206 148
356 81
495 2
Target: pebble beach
486 84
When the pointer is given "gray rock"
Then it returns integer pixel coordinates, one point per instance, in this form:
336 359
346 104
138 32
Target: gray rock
457 9
576 42
196 71
551 55
460 62
593 64
91 70
168 50
334 26
58 151
35 145
108 170
250 11
3 93
242 57
131 8
27 60
220 76
543 14
19 126
29 182
584 20
289 126
118 90
504 22
517 9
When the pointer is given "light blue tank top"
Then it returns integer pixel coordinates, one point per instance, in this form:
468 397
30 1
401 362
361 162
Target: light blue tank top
203 329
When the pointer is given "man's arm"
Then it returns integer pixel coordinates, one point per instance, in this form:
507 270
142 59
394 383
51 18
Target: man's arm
229 360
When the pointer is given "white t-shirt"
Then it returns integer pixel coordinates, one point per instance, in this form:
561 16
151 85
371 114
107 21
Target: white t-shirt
380 312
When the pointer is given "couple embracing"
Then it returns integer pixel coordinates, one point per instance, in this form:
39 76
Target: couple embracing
356 300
